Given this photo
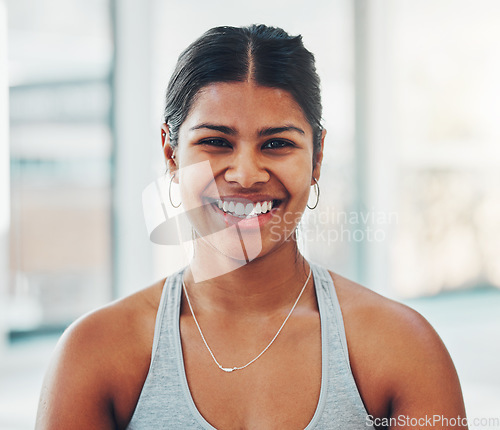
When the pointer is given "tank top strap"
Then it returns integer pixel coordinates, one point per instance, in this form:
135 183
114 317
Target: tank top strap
327 296
168 308
340 405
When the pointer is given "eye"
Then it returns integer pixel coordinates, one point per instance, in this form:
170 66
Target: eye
219 143
277 144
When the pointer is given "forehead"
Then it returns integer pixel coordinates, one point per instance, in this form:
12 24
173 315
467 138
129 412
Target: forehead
245 106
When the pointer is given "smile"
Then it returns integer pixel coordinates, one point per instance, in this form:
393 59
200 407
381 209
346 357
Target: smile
246 210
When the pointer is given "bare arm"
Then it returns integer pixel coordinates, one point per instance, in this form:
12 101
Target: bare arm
403 371
76 390
99 367
427 391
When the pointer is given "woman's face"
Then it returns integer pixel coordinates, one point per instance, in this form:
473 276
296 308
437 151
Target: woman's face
259 147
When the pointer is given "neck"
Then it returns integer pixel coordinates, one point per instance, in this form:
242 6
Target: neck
267 283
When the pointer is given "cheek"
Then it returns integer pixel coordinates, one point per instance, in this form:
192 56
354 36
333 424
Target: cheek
298 179
196 180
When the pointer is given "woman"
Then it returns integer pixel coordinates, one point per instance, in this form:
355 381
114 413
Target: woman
250 335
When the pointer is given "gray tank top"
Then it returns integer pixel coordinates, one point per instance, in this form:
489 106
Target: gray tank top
166 403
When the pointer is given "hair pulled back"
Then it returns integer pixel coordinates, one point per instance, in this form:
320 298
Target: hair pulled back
267 55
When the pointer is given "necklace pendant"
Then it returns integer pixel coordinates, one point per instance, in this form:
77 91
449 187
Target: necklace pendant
228 369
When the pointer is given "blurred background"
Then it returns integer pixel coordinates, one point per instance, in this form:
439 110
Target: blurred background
410 187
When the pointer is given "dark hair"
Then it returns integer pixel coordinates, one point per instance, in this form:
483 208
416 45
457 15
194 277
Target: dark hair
268 55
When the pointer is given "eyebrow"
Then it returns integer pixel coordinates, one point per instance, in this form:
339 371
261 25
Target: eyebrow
268 131
276 130
222 128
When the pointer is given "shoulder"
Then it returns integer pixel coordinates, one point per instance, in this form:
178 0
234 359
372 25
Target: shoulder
395 354
113 329
135 310
115 332
380 318
100 363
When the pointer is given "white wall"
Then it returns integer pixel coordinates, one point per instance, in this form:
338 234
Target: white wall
133 114
4 173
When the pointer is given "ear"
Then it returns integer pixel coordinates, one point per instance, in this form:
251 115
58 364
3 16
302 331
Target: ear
169 151
318 159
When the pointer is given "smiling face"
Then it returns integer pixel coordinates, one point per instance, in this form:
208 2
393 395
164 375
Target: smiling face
260 149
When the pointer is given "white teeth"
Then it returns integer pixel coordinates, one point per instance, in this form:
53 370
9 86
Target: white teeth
248 208
245 210
239 209
252 214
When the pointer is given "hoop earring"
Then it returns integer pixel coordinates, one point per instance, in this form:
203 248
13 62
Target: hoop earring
170 193
316 191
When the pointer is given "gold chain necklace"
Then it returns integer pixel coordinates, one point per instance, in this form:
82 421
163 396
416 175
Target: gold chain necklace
232 369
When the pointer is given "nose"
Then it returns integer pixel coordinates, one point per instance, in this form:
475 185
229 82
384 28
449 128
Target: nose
246 169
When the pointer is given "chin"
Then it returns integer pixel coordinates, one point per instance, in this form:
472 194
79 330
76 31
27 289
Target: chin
231 244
